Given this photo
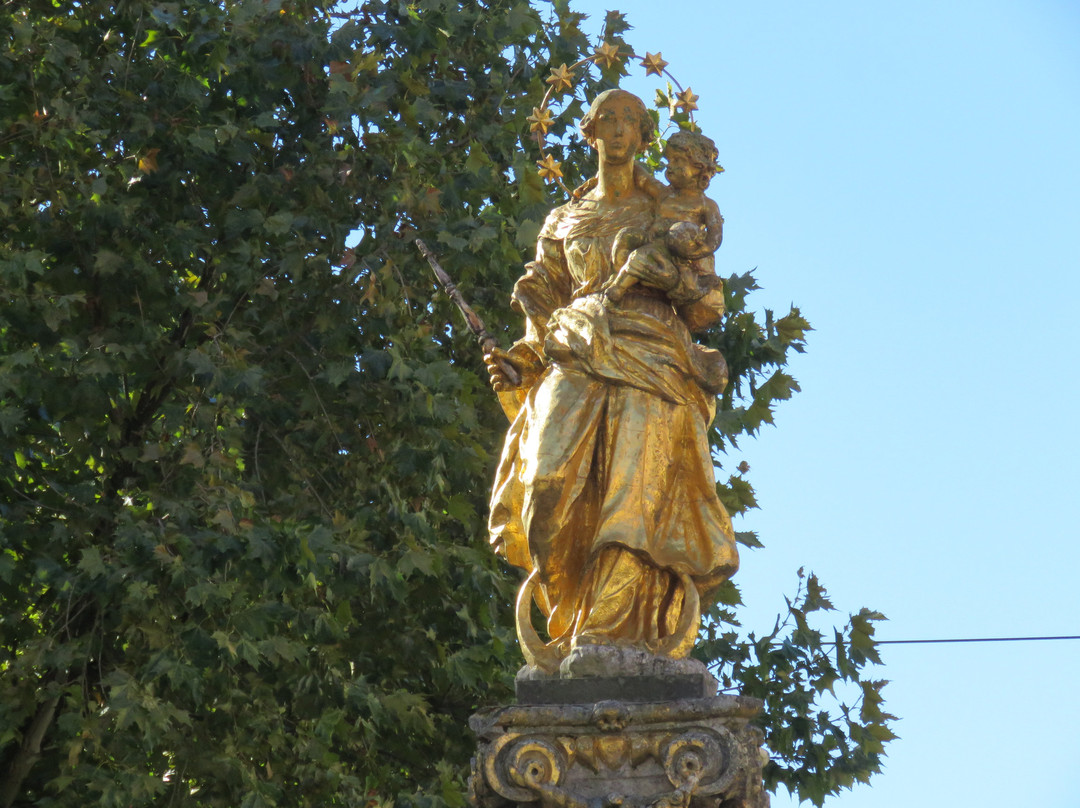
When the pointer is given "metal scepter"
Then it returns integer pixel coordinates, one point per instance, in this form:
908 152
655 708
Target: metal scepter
472 320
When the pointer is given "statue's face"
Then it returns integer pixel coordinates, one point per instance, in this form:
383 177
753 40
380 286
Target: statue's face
681 171
616 133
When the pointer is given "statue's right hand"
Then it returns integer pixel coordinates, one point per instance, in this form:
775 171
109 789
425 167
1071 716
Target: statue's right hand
496 359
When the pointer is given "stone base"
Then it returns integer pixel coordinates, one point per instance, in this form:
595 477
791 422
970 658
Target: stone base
676 753
591 689
594 673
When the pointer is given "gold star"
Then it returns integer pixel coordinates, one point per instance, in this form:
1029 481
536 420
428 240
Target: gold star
653 63
561 78
607 55
687 100
540 120
549 169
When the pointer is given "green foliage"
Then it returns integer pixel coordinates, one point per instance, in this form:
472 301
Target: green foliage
243 469
242 532
819 744
756 356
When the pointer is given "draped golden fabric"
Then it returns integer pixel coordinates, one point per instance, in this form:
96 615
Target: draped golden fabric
605 484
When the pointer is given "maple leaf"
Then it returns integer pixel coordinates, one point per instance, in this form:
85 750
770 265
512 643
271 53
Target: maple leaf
561 78
540 120
148 162
430 204
549 169
607 55
347 259
653 63
341 69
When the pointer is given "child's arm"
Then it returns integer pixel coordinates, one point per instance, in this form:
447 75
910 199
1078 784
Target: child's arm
645 181
714 224
615 288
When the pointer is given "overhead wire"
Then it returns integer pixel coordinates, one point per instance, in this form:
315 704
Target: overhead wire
977 639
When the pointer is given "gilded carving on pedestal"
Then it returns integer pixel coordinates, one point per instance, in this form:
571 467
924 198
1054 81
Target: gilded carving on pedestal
702 752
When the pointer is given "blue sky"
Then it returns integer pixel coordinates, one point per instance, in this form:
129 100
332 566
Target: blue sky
909 175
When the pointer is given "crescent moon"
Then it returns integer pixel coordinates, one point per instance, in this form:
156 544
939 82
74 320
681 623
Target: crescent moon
679 644
536 652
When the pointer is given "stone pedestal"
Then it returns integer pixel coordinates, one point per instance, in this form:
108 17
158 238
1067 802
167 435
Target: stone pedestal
653 735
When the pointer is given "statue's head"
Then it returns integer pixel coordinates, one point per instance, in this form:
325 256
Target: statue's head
693 154
622 103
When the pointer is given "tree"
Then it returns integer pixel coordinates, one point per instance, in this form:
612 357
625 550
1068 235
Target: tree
244 468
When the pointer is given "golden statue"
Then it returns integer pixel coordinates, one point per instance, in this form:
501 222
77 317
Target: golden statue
605 491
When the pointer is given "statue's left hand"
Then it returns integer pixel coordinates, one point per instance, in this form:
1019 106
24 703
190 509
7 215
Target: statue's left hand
653 267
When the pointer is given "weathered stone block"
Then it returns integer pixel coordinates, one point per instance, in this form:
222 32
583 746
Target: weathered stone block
686 753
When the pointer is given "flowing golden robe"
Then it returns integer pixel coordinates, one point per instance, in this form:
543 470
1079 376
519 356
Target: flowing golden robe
606 483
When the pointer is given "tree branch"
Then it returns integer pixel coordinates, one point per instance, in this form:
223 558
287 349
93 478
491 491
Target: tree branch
28 753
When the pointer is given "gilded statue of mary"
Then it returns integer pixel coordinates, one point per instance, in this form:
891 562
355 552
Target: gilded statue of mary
605 491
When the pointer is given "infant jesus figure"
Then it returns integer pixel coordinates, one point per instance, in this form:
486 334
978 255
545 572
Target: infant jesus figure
690 222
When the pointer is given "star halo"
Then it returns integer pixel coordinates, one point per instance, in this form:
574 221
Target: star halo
561 80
